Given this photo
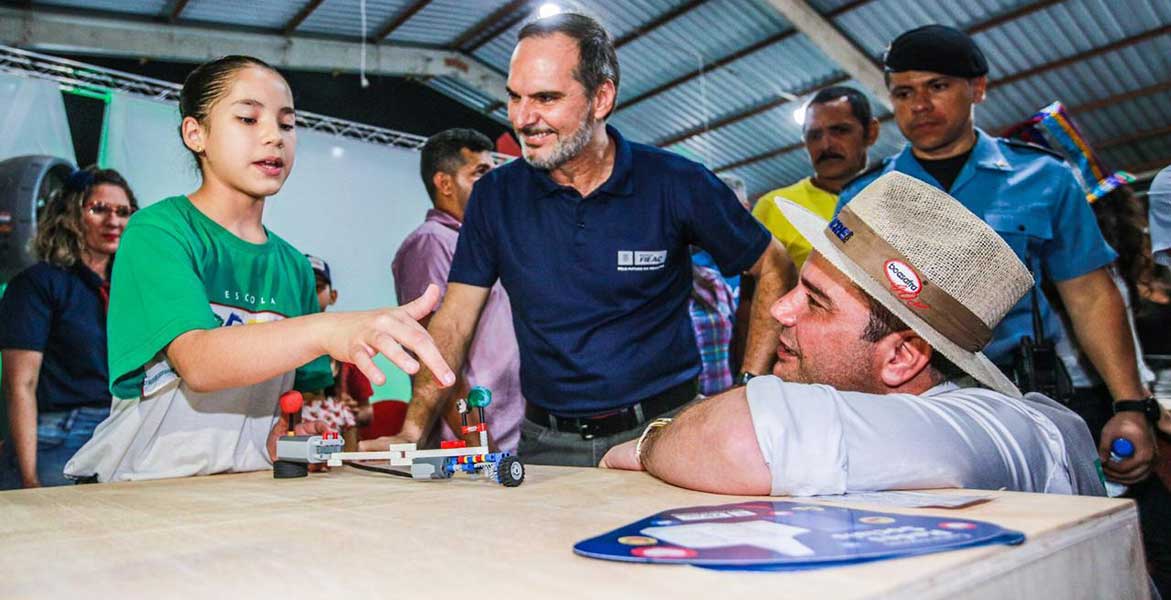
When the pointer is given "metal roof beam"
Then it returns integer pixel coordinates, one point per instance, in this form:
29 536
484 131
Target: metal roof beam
176 11
114 37
1133 137
489 27
682 79
724 60
399 19
1148 169
1011 15
657 22
1120 97
300 17
750 112
1100 50
838 46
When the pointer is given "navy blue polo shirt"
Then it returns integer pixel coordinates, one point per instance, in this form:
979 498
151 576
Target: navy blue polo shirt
599 285
59 312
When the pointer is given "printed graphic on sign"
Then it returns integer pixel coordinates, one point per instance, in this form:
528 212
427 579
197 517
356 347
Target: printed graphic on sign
777 535
904 282
664 552
641 260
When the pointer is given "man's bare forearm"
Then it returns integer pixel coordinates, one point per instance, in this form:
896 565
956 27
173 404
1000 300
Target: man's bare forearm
427 398
710 447
452 328
775 276
1103 332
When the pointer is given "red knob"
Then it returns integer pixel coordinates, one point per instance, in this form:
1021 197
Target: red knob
291 402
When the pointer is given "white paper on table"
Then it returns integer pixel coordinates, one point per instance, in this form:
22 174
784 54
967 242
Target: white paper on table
769 535
910 499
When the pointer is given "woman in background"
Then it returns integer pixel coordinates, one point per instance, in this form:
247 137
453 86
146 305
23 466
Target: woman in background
53 329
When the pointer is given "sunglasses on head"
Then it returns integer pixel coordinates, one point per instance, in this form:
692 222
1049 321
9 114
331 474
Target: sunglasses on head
101 209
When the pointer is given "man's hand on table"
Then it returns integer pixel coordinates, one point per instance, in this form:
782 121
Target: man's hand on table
622 456
408 435
303 428
1134 427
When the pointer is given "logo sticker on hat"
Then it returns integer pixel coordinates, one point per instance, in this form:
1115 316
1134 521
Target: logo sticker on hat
839 229
905 282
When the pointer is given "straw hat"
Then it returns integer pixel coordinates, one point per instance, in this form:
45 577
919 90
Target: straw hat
930 261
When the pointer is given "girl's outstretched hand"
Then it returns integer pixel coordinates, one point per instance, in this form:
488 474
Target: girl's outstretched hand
355 337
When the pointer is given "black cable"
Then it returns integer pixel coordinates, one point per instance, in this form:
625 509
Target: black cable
364 467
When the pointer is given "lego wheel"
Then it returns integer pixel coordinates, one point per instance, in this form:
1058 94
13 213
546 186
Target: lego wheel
510 472
283 469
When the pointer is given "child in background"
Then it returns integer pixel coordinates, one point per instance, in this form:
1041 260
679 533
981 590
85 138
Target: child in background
194 393
346 403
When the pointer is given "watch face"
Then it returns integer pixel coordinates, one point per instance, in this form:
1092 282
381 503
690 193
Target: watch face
1153 410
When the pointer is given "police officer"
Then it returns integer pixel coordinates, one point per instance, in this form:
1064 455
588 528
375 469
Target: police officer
936 75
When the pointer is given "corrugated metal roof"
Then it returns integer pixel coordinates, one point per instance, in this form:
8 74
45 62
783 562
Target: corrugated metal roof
1061 30
1131 117
617 17
442 21
344 17
789 66
134 7
711 31
1113 73
261 14
874 24
1150 153
1018 36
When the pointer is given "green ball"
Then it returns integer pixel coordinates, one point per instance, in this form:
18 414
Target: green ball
479 397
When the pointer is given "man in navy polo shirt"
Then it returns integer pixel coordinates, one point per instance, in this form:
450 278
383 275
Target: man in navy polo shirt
589 235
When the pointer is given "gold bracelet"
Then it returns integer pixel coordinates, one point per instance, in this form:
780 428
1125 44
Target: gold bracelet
656 424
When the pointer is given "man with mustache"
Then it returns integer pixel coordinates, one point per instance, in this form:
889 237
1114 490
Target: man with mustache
589 235
837 132
880 383
936 75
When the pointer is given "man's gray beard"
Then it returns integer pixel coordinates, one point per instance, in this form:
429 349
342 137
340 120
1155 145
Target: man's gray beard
566 150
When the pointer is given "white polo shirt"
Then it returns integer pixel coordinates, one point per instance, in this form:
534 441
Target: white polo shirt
819 440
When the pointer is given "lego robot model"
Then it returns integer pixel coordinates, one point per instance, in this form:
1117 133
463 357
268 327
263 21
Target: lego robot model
296 452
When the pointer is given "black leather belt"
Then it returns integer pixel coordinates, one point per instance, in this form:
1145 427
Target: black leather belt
617 420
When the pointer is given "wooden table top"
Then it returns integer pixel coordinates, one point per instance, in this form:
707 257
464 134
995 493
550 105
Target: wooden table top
350 533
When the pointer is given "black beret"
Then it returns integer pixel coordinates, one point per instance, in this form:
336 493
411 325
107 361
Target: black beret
936 48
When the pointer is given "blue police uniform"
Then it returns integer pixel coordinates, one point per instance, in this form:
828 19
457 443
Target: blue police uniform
1032 199
599 285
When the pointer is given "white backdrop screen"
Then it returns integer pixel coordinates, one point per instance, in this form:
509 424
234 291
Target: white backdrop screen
32 119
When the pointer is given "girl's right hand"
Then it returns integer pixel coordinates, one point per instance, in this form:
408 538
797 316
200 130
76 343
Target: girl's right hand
355 337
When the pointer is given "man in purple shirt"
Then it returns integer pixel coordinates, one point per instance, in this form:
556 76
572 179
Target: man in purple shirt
451 163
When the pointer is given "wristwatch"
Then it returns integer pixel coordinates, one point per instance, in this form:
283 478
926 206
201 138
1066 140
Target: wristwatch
1148 406
656 424
743 377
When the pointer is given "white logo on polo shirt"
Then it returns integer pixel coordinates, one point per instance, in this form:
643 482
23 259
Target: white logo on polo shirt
641 260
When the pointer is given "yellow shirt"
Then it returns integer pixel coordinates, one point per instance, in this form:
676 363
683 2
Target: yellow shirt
804 193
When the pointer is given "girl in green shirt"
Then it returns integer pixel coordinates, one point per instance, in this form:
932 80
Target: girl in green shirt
194 394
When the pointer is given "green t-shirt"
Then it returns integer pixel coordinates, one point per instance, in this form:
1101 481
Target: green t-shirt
177 270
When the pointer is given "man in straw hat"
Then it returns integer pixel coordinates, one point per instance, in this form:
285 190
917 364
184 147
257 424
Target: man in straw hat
936 76
880 382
